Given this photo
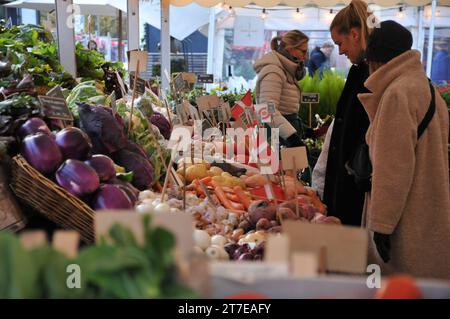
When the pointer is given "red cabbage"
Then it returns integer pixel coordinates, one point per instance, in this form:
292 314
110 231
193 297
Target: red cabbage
77 178
74 143
103 165
111 197
42 152
32 126
162 123
106 134
140 166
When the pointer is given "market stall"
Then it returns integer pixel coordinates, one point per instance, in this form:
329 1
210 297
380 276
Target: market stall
179 194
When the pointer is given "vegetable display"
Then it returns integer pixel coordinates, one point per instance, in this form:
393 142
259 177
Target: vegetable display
42 152
77 177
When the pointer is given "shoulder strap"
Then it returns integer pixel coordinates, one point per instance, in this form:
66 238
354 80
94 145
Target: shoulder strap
429 115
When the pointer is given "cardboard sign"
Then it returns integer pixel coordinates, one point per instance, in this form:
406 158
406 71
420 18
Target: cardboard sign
140 84
226 111
181 113
66 242
55 108
133 57
190 78
305 264
180 224
346 247
310 97
277 249
263 114
33 238
180 84
294 154
205 78
56 92
207 102
271 107
190 110
121 84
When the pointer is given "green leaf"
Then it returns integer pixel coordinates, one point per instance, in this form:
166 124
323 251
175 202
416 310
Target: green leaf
127 177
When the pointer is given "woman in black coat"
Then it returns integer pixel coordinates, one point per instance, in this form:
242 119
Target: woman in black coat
350 33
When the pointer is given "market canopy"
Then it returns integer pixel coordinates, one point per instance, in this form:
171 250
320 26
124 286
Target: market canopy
301 3
87 7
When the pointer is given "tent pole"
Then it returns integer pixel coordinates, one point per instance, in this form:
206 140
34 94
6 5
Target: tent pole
211 34
66 36
431 37
133 26
119 45
165 44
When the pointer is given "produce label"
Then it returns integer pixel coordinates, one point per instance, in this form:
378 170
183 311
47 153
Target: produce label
179 84
56 92
310 97
207 102
294 154
182 114
134 56
140 84
55 108
205 78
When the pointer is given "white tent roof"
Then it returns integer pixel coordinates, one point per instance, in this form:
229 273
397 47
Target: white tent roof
93 7
300 3
183 21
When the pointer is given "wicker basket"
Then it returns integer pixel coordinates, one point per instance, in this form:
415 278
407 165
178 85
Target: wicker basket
50 200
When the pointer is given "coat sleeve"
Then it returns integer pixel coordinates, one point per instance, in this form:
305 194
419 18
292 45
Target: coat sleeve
392 149
270 91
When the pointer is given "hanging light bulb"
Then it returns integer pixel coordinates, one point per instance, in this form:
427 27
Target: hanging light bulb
297 14
331 11
264 14
400 13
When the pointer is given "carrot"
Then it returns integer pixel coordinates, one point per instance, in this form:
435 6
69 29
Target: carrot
221 195
227 189
243 198
206 180
198 188
233 197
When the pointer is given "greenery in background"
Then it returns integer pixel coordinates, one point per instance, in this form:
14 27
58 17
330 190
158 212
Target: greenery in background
176 66
330 87
118 268
30 49
89 64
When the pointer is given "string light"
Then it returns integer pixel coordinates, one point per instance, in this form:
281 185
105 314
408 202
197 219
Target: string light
297 14
264 14
400 13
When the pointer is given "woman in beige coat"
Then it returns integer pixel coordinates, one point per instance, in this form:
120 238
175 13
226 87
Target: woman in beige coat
278 74
408 207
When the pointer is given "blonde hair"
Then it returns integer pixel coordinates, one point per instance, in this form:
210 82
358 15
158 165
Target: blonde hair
355 15
290 39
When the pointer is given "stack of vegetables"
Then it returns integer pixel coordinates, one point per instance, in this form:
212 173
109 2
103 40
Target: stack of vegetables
81 160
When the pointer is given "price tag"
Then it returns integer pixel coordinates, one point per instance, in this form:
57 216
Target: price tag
310 98
297 154
207 102
140 84
55 108
56 92
133 57
121 84
271 107
205 78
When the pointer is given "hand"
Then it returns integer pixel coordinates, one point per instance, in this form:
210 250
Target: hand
383 244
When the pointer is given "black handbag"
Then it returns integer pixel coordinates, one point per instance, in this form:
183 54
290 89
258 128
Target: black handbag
360 166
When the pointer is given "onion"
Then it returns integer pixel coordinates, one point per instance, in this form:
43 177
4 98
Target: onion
74 143
111 197
41 151
77 178
103 165
32 126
